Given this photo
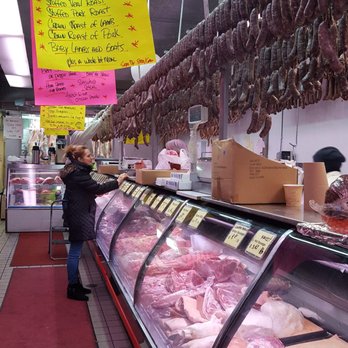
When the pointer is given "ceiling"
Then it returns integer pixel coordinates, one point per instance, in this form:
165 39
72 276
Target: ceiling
165 19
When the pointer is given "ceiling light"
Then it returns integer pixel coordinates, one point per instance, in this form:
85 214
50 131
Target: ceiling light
19 81
10 21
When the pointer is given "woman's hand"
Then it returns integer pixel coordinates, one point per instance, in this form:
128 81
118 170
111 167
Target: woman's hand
121 178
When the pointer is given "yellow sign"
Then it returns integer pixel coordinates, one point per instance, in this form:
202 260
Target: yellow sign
134 193
140 191
141 140
62 117
126 186
92 35
198 218
56 132
130 188
164 205
260 243
236 235
122 186
171 209
183 214
150 198
147 192
156 202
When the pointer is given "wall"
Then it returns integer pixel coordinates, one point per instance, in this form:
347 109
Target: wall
320 125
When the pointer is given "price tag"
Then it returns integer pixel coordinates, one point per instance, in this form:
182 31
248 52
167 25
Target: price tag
150 198
143 196
183 214
122 186
130 188
236 235
171 209
198 218
135 191
164 205
140 191
156 202
260 243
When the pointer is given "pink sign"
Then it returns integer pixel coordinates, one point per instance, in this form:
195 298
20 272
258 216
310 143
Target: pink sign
55 87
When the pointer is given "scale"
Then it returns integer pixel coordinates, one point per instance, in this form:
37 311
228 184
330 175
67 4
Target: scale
197 115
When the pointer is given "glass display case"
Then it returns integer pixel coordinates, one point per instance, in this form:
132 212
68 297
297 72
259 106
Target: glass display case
30 191
198 273
198 276
114 212
301 300
150 218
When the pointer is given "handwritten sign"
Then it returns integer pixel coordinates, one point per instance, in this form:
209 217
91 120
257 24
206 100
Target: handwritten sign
140 191
122 187
156 202
145 194
183 214
63 117
171 209
130 189
56 87
92 35
198 218
260 243
236 235
164 205
150 198
134 193
56 132
141 140
13 127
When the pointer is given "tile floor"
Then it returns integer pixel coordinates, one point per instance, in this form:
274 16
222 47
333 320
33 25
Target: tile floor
107 325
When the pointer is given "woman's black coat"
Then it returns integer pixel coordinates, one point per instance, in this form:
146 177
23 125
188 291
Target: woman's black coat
80 192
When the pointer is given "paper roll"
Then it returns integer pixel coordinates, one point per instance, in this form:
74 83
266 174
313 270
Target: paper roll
315 183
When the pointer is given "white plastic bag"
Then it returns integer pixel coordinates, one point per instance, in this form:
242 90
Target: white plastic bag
165 157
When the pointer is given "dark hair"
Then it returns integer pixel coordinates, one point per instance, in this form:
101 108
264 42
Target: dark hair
74 152
332 158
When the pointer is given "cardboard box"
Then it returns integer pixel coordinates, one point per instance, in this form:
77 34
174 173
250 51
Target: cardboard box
149 176
109 169
241 176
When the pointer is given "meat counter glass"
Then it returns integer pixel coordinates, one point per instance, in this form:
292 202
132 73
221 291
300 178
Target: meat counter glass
150 217
301 300
198 272
30 191
114 212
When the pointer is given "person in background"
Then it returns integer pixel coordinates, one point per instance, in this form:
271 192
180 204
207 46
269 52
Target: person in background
174 153
79 208
332 159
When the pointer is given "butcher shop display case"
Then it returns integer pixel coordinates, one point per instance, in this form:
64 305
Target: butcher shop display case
120 204
198 272
300 300
149 219
30 190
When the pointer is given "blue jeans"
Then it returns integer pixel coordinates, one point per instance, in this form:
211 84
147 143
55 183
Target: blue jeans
73 261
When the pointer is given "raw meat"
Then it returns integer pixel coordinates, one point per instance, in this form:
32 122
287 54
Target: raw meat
265 342
184 280
228 294
206 342
210 304
257 318
200 330
175 324
189 306
237 343
286 319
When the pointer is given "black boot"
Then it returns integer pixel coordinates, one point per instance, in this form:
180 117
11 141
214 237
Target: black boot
74 293
82 289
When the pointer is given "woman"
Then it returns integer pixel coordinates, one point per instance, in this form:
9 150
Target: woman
174 156
79 210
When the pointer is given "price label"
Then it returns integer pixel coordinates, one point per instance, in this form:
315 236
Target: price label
171 209
150 198
135 191
140 191
236 235
130 188
156 202
183 214
164 205
123 186
198 218
260 243
143 196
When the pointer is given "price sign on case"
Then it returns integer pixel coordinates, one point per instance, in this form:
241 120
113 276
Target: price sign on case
171 209
260 243
164 205
130 188
236 235
183 214
134 193
150 198
140 191
198 218
156 202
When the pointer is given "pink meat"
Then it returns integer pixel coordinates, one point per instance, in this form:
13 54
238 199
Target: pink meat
131 244
189 307
210 304
228 298
184 280
264 342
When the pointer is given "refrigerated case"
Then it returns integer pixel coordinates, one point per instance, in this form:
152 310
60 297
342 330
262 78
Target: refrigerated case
197 279
30 190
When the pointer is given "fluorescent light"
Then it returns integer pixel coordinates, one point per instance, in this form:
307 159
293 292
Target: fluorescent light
10 20
13 55
19 81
